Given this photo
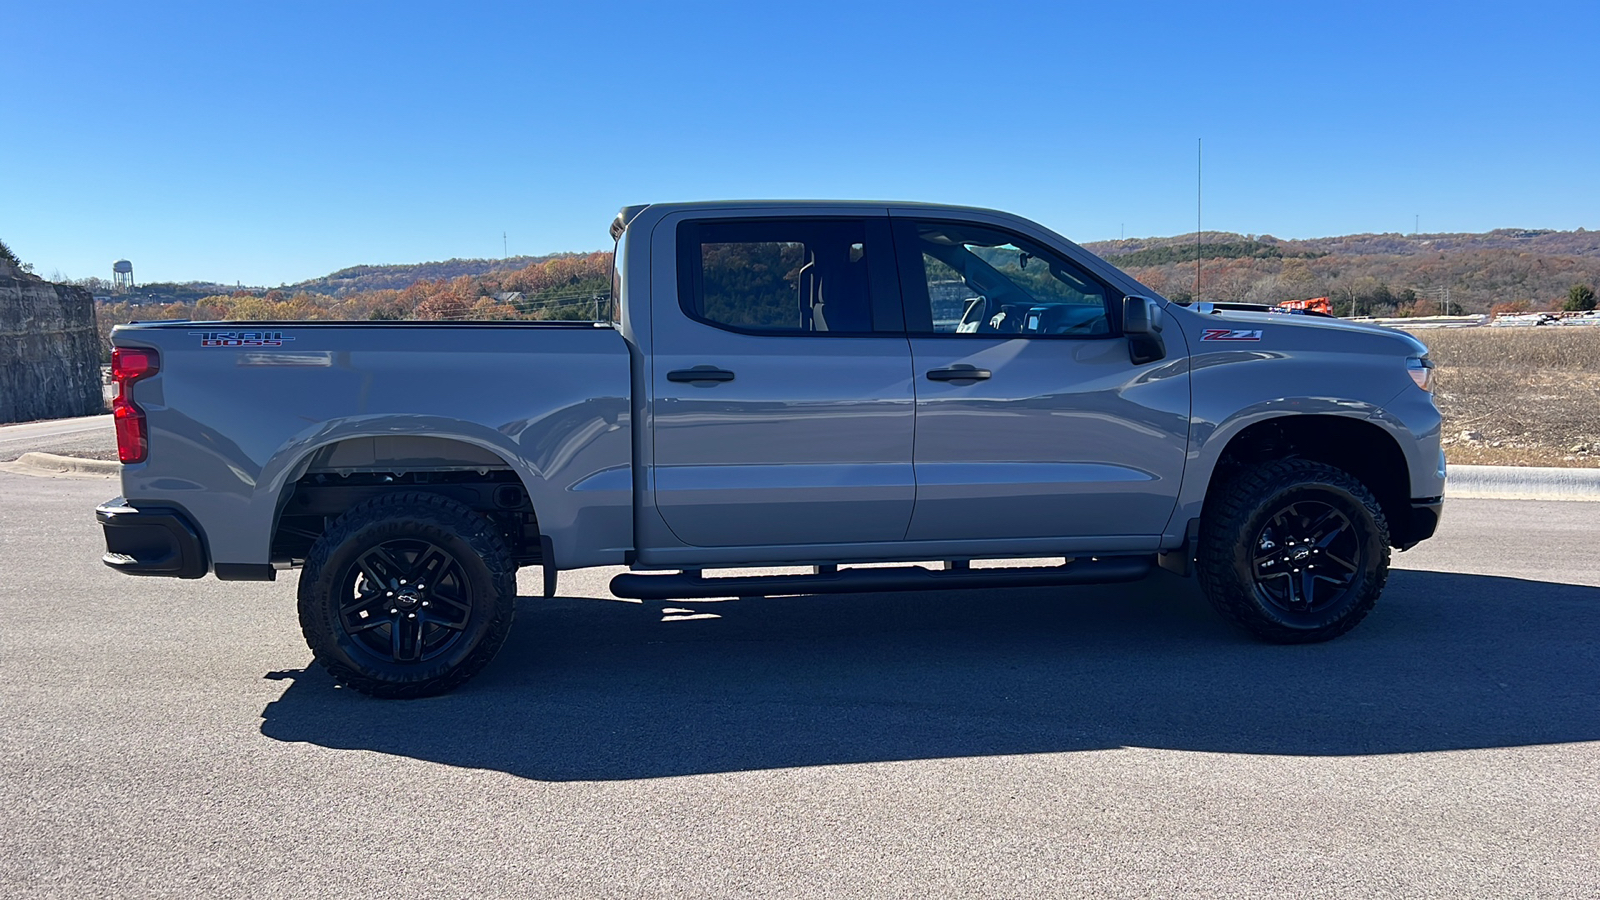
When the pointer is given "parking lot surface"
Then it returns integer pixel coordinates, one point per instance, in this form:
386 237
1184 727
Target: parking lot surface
166 738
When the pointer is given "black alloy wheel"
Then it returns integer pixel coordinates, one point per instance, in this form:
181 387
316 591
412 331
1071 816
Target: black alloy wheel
407 595
1293 551
1307 557
410 601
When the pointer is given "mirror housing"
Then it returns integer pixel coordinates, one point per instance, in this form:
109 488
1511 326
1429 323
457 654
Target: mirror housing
1141 322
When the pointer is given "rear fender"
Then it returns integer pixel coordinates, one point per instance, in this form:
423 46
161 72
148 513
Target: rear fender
572 516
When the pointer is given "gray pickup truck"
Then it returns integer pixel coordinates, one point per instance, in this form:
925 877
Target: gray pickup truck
815 385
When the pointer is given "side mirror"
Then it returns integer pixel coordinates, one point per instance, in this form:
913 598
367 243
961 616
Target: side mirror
1141 322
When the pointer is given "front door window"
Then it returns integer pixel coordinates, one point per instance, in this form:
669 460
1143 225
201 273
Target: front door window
986 282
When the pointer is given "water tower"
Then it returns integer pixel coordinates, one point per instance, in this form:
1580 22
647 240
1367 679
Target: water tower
122 276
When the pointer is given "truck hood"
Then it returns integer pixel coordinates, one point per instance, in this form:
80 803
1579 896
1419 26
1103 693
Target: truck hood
1334 329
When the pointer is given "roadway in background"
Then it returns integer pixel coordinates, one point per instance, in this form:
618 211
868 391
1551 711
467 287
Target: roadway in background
88 437
160 736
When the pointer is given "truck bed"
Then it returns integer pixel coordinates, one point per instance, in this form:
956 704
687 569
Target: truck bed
240 411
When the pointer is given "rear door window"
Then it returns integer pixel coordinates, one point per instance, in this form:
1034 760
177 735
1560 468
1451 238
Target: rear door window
790 277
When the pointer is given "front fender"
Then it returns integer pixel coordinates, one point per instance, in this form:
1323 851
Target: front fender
1413 420
1209 440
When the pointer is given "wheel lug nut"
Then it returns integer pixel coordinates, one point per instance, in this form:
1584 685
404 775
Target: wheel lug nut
424 603
394 611
411 615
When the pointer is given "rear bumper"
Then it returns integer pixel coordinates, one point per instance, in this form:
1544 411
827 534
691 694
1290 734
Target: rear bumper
154 540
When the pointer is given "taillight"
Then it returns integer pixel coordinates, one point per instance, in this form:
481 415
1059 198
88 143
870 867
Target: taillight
129 364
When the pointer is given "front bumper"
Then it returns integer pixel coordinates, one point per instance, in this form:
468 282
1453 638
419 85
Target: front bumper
1424 521
153 540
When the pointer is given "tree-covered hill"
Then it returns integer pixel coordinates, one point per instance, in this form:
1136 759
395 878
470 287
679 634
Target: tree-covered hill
562 286
1540 241
1370 274
356 279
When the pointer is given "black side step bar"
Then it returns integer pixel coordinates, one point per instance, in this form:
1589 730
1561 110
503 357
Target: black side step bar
690 585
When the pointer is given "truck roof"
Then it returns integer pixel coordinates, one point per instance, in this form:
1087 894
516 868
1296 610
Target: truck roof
627 214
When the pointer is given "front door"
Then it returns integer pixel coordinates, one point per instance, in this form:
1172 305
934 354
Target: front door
1031 420
783 408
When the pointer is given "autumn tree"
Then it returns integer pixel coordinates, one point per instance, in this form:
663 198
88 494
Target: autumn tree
252 309
442 305
214 307
1511 308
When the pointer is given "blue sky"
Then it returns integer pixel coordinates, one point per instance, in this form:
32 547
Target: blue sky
267 143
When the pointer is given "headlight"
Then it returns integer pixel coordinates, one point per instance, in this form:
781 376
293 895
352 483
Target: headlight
1421 369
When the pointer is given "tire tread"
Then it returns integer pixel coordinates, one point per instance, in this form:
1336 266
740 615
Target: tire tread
429 510
1222 524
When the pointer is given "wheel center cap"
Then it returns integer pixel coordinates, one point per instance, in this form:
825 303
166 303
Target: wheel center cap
408 597
1300 553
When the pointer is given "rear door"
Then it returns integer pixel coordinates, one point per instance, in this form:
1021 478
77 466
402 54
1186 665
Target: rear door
1031 420
782 409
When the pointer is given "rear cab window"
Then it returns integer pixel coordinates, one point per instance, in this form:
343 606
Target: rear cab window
824 277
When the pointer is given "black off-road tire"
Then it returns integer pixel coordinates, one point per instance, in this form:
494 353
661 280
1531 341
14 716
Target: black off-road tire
472 606
1287 497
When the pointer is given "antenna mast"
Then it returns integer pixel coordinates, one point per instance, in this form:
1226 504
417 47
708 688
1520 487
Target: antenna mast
1199 145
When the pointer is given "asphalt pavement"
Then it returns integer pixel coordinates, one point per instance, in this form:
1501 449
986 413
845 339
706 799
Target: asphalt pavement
167 738
87 437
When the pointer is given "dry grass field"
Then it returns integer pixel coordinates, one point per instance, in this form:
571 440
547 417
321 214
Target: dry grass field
1518 396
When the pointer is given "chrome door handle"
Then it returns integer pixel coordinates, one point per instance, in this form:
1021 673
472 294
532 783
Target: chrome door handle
700 374
959 373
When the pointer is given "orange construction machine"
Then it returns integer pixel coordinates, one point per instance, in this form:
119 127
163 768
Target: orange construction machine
1315 304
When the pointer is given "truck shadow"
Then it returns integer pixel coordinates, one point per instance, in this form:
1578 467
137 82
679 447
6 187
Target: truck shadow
599 690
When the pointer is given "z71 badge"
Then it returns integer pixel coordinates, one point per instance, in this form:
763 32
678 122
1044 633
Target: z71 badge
241 338
1231 334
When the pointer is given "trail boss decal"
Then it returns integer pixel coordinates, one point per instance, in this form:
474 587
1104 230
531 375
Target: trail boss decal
1231 334
241 338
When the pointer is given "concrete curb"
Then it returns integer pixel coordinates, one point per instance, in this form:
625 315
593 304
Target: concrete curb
64 465
1522 483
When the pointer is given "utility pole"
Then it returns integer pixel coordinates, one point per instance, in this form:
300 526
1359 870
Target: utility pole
503 251
1440 295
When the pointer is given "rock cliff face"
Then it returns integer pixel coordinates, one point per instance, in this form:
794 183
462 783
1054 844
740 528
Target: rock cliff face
49 349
